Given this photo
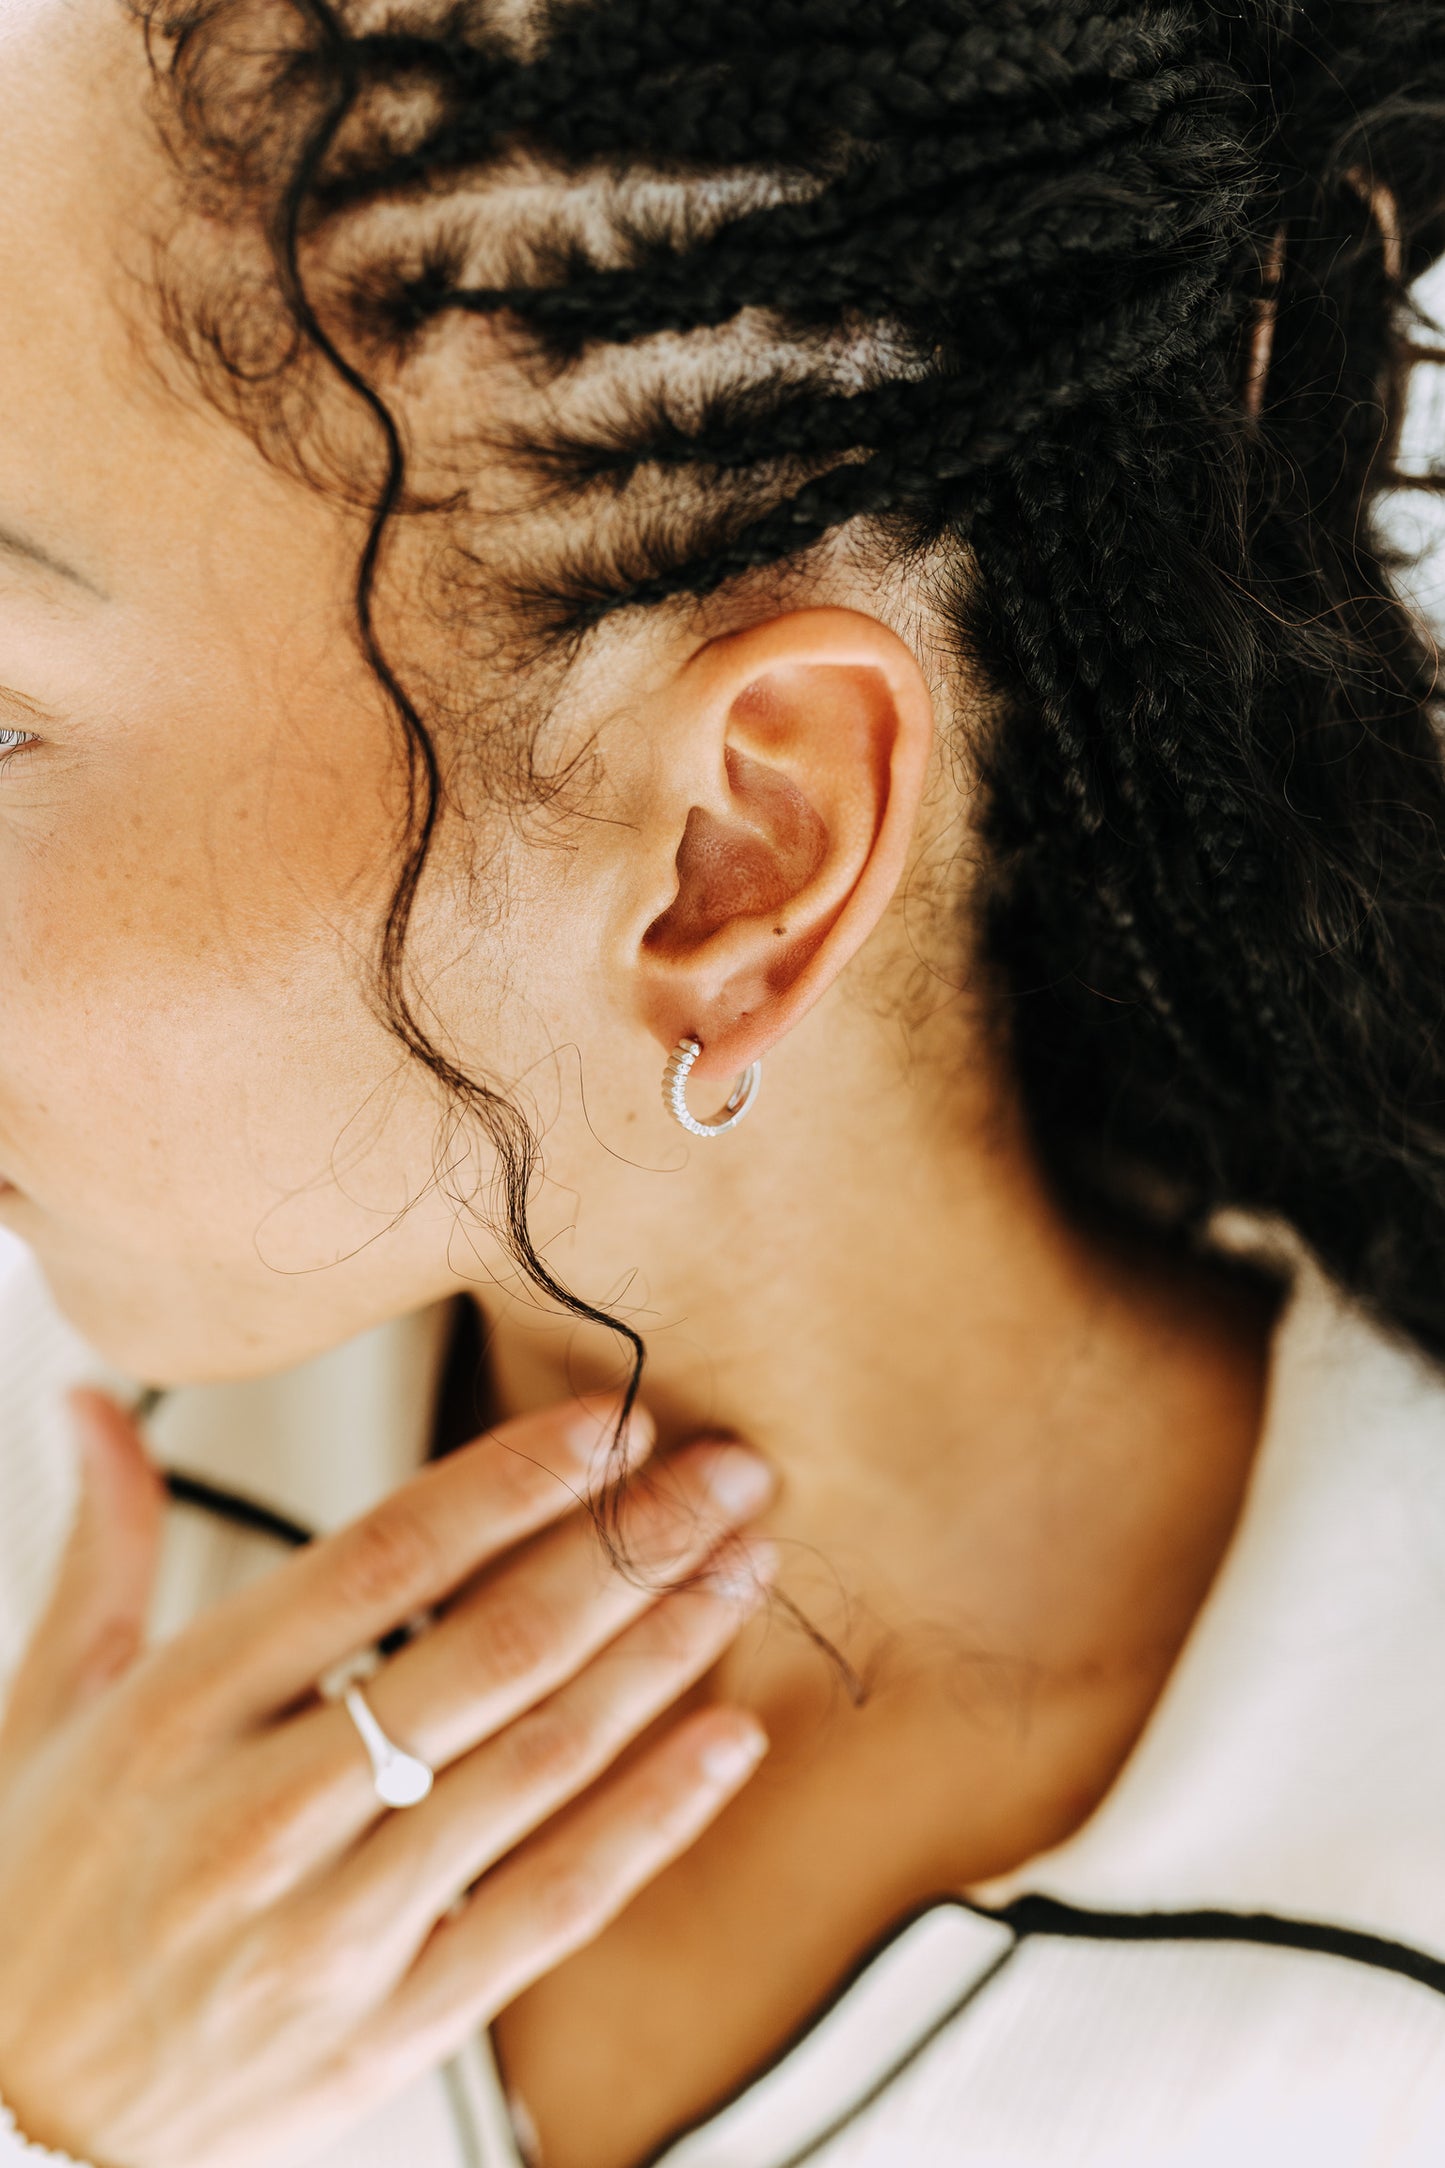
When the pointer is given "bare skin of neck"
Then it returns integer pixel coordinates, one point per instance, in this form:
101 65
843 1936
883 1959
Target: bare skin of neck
1011 1458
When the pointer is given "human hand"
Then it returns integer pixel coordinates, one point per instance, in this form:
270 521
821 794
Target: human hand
218 1946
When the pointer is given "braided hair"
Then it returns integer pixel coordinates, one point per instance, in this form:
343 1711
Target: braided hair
1095 313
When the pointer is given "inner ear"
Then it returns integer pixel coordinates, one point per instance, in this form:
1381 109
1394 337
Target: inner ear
747 863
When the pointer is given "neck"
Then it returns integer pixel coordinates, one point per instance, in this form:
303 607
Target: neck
1010 1459
995 1434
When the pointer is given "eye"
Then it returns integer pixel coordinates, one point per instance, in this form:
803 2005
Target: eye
14 741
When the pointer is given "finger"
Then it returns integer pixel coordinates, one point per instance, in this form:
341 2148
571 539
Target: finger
265 1647
94 1623
392 1889
564 1886
512 1640
539 1617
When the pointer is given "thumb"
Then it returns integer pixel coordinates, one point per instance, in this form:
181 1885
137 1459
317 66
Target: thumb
93 1626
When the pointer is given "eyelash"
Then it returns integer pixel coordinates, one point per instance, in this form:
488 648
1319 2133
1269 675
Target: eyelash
13 742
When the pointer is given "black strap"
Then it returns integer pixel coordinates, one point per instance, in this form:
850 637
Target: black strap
258 1520
234 1506
460 1416
1035 1915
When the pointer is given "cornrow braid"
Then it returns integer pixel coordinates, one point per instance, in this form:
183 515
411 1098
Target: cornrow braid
980 279
638 80
914 257
967 419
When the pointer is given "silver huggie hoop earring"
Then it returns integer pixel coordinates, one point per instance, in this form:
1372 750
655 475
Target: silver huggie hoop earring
674 1092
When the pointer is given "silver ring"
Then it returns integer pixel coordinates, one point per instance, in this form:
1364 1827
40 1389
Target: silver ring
401 1779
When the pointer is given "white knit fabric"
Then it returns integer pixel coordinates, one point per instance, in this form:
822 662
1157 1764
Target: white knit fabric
1295 1765
15 2149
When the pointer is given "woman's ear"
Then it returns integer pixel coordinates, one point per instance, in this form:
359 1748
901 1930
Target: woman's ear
793 766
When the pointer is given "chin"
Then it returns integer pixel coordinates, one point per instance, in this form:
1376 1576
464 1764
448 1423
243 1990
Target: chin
155 1349
164 1329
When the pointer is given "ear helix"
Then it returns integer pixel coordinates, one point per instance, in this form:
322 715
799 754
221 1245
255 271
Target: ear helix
674 1092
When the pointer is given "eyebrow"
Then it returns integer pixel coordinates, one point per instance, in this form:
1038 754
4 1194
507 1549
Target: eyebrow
34 710
27 552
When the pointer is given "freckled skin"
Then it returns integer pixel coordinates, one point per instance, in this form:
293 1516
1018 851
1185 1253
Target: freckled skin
222 1157
226 1163
198 1107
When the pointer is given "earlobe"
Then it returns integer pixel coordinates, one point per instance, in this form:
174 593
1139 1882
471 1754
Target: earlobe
804 745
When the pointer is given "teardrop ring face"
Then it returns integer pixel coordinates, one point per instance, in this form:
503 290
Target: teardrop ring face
401 1779
674 1092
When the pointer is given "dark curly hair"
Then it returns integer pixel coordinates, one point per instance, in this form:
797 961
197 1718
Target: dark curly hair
1092 314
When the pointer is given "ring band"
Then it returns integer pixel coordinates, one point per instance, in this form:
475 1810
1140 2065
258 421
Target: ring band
401 1779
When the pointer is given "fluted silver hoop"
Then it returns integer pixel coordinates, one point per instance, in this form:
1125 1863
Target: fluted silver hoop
674 1092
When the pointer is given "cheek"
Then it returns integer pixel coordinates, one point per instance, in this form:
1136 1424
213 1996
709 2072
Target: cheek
185 940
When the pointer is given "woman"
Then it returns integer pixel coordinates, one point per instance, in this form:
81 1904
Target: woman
552 549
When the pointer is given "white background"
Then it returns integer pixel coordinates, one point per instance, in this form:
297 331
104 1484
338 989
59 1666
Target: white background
1414 520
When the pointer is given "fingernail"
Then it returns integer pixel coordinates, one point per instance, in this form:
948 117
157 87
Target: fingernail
87 1424
745 1575
593 1444
739 1479
727 1761
641 1433
81 1414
